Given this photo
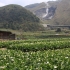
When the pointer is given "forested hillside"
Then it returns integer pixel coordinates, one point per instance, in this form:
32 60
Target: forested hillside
18 18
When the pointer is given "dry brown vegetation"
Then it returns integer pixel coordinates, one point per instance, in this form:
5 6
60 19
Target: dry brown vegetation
62 15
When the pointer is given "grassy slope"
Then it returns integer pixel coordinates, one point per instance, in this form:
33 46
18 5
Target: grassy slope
62 15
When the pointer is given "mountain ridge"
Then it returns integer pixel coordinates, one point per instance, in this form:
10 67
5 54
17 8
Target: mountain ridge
42 8
58 12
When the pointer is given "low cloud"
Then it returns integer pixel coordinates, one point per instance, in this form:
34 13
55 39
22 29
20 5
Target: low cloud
2 4
21 2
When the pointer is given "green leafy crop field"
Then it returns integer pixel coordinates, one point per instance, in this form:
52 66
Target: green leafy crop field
41 54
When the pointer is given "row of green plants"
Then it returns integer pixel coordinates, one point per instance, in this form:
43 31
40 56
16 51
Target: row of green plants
36 45
40 46
43 36
40 60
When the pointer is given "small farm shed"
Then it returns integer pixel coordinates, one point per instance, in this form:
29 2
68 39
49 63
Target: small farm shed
7 35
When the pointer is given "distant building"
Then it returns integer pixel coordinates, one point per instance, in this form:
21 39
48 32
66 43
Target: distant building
7 35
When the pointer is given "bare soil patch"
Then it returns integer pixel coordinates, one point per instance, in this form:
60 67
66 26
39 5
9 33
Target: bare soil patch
3 48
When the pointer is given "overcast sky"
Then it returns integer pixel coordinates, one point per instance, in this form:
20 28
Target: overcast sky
21 2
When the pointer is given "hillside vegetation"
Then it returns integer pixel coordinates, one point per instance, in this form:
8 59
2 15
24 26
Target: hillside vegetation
59 11
35 7
18 18
41 9
62 15
31 6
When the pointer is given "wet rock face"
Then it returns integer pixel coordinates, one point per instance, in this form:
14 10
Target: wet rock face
45 15
45 10
51 12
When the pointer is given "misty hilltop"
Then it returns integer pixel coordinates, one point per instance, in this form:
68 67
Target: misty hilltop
18 18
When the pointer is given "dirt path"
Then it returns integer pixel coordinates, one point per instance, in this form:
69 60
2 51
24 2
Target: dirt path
3 49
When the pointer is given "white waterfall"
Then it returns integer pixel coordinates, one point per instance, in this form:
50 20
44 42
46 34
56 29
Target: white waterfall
47 5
